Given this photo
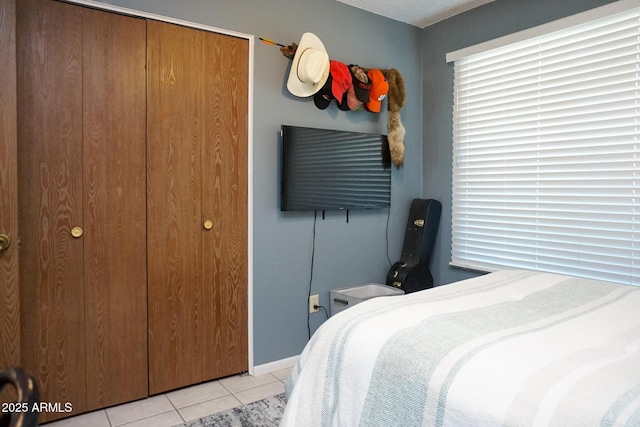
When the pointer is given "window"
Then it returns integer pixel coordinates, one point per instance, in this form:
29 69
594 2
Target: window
546 149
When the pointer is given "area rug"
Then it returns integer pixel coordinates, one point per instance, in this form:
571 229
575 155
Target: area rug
263 413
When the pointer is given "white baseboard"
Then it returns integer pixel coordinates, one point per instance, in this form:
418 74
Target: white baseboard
274 366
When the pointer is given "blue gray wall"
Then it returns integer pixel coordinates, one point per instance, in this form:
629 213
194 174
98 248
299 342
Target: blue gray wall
486 22
346 254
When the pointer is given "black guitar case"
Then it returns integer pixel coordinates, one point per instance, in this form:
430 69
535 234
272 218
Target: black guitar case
412 272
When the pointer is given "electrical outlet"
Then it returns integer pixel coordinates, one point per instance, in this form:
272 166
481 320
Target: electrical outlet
314 300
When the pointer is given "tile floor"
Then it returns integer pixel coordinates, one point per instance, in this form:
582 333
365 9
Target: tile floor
184 405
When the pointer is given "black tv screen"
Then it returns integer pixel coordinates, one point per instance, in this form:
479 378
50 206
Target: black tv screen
325 169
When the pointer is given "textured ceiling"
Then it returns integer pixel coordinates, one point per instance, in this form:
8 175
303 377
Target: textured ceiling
420 13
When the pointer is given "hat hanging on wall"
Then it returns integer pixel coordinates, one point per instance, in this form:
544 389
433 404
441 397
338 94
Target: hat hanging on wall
358 92
336 85
379 90
310 67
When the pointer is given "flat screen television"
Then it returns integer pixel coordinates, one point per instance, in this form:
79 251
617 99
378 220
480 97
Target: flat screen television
324 169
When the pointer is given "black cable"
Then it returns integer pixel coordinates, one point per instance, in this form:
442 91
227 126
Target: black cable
313 253
325 311
387 235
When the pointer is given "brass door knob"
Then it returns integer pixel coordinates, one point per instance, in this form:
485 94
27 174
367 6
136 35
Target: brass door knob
208 224
76 232
5 242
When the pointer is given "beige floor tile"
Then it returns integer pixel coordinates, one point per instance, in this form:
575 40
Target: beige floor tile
139 410
203 409
168 419
282 374
193 402
198 393
245 382
260 392
93 419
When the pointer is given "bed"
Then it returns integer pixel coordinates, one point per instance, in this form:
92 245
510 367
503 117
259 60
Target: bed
511 348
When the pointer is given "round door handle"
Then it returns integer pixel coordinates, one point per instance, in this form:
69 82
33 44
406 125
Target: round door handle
76 232
208 224
5 242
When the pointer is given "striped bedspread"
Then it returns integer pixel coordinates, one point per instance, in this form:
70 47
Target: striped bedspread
512 348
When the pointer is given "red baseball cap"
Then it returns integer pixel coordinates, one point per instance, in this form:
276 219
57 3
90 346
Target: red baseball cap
335 87
341 78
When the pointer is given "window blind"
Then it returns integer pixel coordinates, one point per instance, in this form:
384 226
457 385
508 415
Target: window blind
546 153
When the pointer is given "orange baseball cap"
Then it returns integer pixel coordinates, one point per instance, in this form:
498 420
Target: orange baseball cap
379 90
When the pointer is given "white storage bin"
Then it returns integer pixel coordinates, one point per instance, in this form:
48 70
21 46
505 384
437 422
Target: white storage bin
346 297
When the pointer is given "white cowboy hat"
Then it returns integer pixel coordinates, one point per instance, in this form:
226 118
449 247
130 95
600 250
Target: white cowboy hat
310 67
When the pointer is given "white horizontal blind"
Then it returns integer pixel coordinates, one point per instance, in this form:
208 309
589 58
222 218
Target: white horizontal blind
546 153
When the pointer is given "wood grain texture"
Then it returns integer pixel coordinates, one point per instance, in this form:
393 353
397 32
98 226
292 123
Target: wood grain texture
9 280
197 170
114 108
50 203
81 117
174 138
225 189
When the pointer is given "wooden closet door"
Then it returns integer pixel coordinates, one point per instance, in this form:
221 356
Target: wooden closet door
49 43
224 200
9 284
81 157
174 227
197 205
114 105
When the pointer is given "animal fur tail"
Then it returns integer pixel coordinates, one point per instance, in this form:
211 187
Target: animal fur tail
396 138
396 98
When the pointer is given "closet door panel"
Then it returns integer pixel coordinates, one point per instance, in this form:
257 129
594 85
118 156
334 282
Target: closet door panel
174 119
114 85
49 40
224 178
9 285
